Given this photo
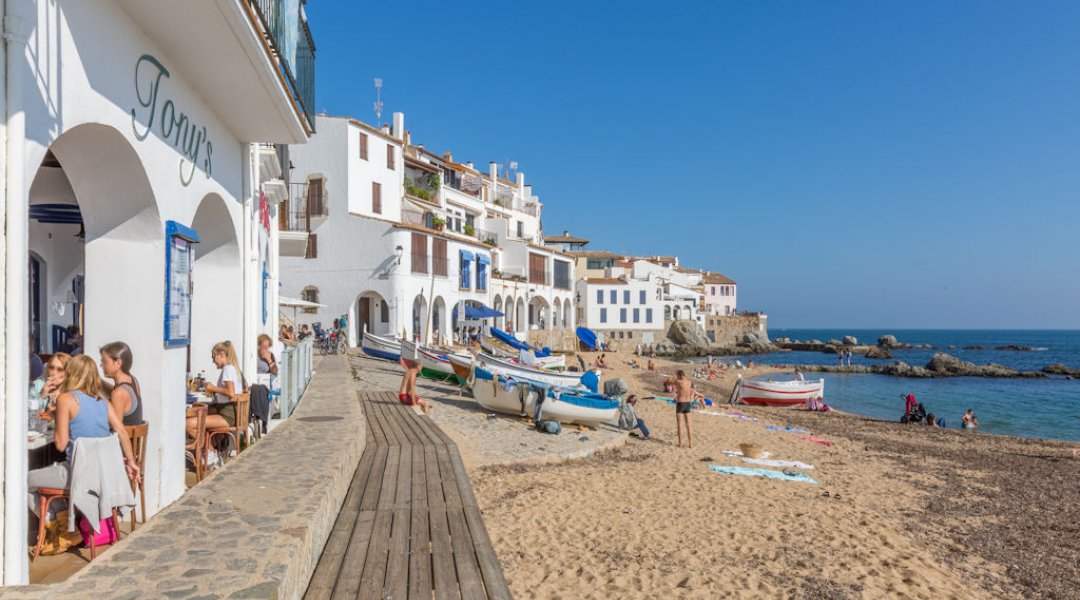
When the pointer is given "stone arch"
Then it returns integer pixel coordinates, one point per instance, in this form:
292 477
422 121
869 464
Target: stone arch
440 321
372 313
556 314
419 317
498 305
519 315
568 313
539 313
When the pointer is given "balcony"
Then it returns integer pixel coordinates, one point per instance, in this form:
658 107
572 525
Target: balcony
422 186
311 199
251 61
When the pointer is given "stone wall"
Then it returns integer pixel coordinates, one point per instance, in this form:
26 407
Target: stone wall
729 330
559 340
254 529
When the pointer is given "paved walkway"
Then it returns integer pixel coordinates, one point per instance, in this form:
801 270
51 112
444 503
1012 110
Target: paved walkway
410 525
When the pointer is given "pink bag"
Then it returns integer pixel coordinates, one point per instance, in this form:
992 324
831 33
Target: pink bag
106 535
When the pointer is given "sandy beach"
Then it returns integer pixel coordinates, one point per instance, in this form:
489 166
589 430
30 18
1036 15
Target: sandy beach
897 511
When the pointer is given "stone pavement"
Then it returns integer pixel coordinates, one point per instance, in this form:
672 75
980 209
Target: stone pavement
485 438
253 529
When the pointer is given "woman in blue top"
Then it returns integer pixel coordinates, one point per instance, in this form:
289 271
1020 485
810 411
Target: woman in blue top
81 411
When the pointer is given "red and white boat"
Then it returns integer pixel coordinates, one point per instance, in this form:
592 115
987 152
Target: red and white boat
778 393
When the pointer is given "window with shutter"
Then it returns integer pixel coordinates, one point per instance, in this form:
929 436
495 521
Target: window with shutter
537 272
389 157
438 257
363 146
376 197
419 253
312 246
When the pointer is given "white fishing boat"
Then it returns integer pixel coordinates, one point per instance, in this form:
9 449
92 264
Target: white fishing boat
777 393
500 349
517 370
519 397
380 347
433 364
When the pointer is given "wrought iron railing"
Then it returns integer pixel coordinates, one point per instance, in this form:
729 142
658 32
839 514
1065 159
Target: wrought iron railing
290 38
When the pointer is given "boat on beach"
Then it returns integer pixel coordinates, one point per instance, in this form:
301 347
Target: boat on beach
519 371
433 365
380 347
777 393
497 348
513 396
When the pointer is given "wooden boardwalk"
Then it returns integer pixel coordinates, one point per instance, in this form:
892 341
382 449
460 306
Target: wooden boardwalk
410 525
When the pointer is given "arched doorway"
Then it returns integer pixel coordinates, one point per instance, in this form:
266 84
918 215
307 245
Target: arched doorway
556 314
508 319
539 314
498 305
114 242
568 315
372 313
419 317
439 321
519 314
217 292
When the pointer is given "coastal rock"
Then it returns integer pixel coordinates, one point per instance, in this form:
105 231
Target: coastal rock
688 333
878 352
951 347
974 347
834 342
1015 348
849 340
1060 369
887 341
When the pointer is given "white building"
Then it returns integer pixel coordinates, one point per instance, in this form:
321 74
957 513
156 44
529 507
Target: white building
720 294
129 131
409 236
621 308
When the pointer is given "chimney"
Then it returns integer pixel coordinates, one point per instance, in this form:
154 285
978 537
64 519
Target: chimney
521 182
386 129
470 165
565 233
448 157
399 125
493 167
407 139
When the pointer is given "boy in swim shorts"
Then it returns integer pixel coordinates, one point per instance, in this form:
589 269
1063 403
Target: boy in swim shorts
407 392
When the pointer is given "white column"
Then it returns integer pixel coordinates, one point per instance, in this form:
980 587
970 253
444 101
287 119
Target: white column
15 564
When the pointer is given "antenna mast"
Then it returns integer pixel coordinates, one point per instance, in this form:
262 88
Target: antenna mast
378 101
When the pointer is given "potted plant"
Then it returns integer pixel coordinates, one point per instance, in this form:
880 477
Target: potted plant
438 223
469 229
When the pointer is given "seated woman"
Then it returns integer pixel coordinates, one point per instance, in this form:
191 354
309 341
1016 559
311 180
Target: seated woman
81 411
230 384
601 362
126 396
54 378
267 364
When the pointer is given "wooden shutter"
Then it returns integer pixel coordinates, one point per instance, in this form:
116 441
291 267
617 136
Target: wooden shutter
376 197
389 157
419 253
363 146
536 269
312 246
438 257
315 196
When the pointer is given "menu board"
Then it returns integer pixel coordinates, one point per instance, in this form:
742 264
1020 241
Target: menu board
179 257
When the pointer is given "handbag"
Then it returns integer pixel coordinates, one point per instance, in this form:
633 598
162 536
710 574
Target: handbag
105 535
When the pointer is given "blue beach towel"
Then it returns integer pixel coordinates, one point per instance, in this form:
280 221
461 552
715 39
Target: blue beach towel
781 475
788 429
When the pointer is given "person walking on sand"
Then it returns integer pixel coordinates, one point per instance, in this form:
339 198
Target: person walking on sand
685 396
407 392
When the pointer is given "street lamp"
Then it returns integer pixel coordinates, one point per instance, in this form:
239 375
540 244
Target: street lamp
398 252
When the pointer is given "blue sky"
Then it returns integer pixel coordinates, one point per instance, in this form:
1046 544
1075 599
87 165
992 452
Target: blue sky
850 164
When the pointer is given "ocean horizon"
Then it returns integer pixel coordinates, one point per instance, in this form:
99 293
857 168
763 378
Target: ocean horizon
1034 408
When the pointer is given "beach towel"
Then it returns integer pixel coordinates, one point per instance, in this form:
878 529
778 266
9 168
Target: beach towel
816 440
767 462
788 429
781 475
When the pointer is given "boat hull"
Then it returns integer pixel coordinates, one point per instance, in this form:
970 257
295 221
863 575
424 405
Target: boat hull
517 397
380 347
511 369
779 393
432 364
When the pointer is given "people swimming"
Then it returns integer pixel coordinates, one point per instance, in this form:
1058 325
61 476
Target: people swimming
969 420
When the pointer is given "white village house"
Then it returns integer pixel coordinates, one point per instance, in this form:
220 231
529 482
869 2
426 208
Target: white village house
408 237
135 163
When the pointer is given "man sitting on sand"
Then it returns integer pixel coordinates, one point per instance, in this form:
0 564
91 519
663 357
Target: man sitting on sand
652 365
685 396
407 392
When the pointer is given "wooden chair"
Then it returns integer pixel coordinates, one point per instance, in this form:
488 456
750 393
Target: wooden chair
46 496
196 448
237 432
137 434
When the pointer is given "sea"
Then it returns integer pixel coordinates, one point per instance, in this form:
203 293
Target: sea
1042 408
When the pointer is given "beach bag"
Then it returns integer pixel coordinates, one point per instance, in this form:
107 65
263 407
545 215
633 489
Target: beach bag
104 537
57 538
551 427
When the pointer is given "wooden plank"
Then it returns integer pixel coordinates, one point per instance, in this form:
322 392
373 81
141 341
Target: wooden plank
397 567
375 565
449 481
490 569
444 577
468 571
326 572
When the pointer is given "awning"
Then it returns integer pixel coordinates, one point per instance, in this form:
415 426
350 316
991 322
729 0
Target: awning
478 312
466 255
483 259
297 303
